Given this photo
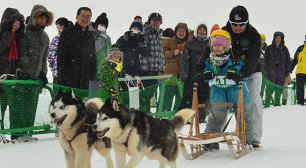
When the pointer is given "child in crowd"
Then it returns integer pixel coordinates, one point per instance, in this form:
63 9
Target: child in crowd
109 70
224 89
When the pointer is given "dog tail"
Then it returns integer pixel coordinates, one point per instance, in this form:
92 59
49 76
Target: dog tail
181 118
95 103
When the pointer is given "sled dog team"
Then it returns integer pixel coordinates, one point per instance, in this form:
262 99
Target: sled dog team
99 125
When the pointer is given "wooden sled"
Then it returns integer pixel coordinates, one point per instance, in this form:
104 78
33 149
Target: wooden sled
237 149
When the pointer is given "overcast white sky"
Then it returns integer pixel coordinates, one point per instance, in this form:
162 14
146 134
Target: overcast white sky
267 16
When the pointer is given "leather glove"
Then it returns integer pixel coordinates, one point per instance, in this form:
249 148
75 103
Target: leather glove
114 93
1 90
9 26
208 75
43 78
234 75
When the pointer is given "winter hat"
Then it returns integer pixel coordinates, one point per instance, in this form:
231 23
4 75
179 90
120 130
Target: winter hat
137 23
184 26
102 19
190 32
221 37
263 36
114 51
155 15
168 33
215 27
239 14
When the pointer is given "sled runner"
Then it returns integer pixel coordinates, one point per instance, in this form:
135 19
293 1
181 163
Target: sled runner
236 141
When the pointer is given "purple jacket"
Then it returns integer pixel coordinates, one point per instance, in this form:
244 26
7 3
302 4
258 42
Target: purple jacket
277 61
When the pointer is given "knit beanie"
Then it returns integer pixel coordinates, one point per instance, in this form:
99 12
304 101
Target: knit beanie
215 27
114 51
239 14
168 33
263 36
137 23
102 19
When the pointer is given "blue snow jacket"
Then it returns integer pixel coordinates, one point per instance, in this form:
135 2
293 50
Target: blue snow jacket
228 95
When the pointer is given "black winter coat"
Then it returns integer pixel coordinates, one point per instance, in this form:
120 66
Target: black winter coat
132 50
9 67
76 59
247 43
191 54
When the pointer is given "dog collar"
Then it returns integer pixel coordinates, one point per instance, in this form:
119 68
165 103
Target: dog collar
127 139
87 124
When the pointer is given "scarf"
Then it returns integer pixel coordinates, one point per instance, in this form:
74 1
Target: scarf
13 52
219 60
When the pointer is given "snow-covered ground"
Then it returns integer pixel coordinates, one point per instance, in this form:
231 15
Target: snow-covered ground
283 146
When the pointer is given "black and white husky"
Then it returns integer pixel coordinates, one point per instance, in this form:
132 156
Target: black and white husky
74 120
138 134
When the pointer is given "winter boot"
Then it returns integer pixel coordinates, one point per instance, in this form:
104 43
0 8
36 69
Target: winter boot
255 144
210 147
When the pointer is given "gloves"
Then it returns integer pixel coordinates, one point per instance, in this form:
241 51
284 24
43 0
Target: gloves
127 35
141 38
114 93
230 74
43 78
234 75
9 26
198 77
208 75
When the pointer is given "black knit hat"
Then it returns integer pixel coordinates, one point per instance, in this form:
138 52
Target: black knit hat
102 19
239 14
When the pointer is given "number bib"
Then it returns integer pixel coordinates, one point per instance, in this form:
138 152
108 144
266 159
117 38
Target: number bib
222 82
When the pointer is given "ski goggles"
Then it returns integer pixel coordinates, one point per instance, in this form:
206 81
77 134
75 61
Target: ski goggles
238 24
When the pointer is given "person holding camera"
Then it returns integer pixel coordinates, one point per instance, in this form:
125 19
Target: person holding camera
277 67
132 45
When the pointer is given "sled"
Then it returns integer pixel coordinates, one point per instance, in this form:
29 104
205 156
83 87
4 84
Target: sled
236 141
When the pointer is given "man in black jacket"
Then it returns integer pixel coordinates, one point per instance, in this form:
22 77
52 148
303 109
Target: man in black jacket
246 44
76 53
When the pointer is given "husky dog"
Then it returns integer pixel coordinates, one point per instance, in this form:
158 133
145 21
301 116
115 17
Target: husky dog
74 120
138 134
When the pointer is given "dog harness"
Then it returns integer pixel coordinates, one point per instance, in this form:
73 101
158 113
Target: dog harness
127 140
83 124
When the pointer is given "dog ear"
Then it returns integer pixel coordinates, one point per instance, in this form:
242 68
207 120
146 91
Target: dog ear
108 101
60 91
115 105
71 92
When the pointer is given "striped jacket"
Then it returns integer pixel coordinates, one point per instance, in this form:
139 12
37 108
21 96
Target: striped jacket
52 54
155 61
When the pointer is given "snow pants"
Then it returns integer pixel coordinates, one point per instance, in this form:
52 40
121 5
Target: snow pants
300 81
216 121
253 111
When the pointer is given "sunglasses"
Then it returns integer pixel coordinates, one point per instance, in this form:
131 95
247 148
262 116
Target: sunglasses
238 24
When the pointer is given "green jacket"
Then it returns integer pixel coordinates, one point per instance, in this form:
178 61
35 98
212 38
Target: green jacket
108 77
38 41
101 55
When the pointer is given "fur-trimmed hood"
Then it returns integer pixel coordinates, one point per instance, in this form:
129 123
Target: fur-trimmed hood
38 10
10 14
195 33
